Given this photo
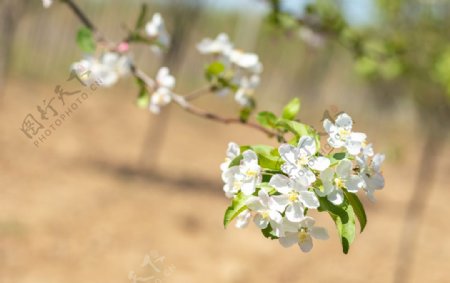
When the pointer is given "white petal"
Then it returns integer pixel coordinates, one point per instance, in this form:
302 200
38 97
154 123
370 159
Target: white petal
344 168
308 144
260 221
377 161
288 153
328 126
319 233
309 199
233 150
344 121
279 203
354 183
336 197
320 163
307 222
243 218
281 183
306 245
275 216
335 142
294 212
248 187
327 175
289 240
250 156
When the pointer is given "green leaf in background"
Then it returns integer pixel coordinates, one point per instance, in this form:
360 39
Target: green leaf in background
85 40
236 207
143 99
142 19
358 208
291 110
213 70
267 119
344 218
299 130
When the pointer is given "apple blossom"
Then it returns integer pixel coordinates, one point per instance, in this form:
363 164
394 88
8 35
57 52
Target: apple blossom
263 206
156 29
304 236
162 96
47 3
341 134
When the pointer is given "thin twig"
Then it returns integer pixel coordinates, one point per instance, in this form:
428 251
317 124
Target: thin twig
197 93
181 101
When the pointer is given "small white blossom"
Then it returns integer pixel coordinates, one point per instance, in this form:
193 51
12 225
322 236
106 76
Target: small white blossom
304 236
47 3
371 173
243 219
156 29
263 206
301 159
333 182
233 151
341 134
232 179
221 45
163 93
294 197
246 90
106 70
246 61
251 172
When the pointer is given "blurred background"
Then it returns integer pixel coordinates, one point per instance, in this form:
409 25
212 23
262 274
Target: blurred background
114 183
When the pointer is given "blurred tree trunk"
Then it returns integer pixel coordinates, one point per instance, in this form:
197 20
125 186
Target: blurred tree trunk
434 142
185 18
11 12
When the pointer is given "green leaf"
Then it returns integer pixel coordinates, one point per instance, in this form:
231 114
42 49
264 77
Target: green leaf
236 207
358 208
298 129
142 19
214 70
236 161
245 113
267 119
85 40
268 158
291 110
339 155
267 232
344 218
143 99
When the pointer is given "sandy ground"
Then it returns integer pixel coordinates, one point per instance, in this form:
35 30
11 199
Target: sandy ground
76 209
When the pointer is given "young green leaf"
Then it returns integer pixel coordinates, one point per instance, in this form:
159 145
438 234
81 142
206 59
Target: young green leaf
267 119
291 110
358 208
214 70
267 157
236 207
267 232
140 23
344 218
85 40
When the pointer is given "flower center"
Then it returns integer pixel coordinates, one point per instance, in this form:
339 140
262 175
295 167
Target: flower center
265 214
302 161
339 182
293 196
251 173
237 185
343 133
303 236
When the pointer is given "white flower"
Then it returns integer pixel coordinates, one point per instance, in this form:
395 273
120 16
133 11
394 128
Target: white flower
47 3
299 160
246 61
106 70
334 183
156 29
341 134
163 93
294 197
243 218
233 151
265 212
251 172
233 181
246 90
371 173
219 46
304 236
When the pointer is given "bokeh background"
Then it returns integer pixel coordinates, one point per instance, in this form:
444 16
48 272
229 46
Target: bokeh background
115 183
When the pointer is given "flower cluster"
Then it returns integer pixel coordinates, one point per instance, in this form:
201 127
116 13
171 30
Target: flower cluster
156 31
233 70
107 69
279 187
